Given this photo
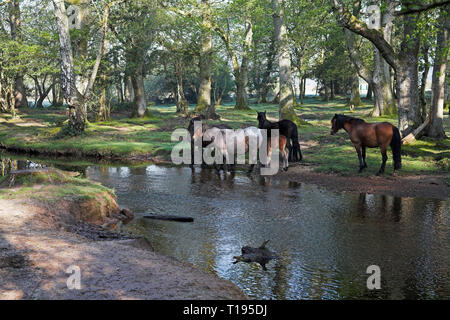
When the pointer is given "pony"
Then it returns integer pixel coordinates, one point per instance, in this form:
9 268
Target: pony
282 147
199 134
370 135
287 129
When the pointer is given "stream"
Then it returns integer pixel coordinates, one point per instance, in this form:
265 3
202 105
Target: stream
325 240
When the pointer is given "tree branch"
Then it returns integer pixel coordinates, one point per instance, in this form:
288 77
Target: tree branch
422 8
352 23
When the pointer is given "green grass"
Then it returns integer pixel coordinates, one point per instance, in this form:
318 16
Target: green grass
54 185
123 138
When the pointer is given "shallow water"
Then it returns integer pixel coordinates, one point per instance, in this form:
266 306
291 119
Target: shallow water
325 240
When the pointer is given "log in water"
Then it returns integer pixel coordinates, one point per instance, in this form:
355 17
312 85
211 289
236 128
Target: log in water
170 218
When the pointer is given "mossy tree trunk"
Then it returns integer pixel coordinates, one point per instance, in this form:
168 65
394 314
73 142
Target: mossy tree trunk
20 95
74 98
204 105
286 105
137 81
182 103
436 128
355 98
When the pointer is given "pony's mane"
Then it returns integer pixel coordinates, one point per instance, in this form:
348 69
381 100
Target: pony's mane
341 119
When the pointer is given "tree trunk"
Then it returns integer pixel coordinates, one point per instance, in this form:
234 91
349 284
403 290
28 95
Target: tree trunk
436 129
355 98
204 105
369 92
14 24
139 101
326 96
265 87
242 77
423 84
182 103
384 100
407 78
77 114
286 105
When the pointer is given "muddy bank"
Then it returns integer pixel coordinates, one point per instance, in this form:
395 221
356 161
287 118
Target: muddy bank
418 186
42 234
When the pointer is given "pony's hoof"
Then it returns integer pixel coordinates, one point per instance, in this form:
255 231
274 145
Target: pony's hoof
380 173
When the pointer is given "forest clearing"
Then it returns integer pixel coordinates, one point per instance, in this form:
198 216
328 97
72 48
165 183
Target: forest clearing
94 205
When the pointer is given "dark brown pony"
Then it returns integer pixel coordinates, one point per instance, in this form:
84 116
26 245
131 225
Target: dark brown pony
371 135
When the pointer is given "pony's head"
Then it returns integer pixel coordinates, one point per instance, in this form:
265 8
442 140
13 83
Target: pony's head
262 117
335 124
192 122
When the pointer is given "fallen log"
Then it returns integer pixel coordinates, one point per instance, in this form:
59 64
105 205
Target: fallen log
170 218
416 134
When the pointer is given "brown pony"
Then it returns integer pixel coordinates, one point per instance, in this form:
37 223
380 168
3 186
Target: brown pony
282 146
371 135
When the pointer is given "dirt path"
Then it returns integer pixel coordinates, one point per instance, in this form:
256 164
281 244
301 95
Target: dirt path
34 257
421 186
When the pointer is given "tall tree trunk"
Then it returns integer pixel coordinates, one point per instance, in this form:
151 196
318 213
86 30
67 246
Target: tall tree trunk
436 129
14 24
423 85
286 105
265 86
407 78
381 79
139 101
75 101
242 75
182 103
369 92
204 105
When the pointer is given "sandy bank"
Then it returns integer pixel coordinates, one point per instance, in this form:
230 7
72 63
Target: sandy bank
37 246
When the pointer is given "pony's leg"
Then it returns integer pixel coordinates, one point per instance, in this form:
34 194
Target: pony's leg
360 158
285 159
291 150
192 153
384 158
250 170
364 156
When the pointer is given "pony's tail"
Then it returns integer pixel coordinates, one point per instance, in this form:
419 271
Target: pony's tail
396 146
297 153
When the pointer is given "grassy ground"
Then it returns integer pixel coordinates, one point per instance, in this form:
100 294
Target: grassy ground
124 138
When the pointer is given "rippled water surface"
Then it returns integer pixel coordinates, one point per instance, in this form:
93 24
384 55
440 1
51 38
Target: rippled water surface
325 240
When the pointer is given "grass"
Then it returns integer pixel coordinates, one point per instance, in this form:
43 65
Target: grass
123 138
54 185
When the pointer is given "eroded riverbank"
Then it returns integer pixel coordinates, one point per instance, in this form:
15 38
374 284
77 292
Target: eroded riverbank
43 233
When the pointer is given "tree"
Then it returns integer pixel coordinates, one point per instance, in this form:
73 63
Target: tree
377 76
15 29
75 99
286 105
404 61
435 128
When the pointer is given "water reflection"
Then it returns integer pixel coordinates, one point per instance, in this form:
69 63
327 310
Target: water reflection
326 240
